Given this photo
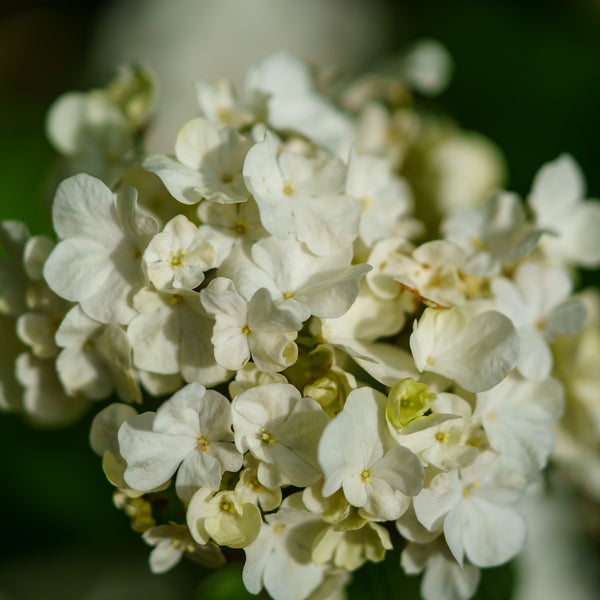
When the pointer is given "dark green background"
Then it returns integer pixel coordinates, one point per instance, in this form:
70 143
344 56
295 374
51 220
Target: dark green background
527 75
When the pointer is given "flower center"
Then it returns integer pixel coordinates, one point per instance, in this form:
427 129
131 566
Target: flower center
177 259
288 188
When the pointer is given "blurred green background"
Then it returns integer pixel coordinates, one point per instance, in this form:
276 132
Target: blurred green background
526 74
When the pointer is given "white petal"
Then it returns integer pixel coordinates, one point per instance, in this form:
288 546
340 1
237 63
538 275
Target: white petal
152 458
556 188
183 183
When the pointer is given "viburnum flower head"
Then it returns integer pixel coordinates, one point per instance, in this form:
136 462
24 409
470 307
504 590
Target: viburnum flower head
375 374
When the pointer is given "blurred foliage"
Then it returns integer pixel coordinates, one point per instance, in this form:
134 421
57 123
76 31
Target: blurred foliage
526 75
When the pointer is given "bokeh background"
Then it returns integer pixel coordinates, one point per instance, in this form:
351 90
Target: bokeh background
526 75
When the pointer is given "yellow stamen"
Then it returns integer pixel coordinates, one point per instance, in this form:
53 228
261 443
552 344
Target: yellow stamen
240 228
177 259
366 203
228 507
267 438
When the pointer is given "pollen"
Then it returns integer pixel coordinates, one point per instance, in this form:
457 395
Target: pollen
177 259
442 437
288 188
182 546
468 490
246 330
223 114
175 299
203 443
366 203
253 484
477 243
288 295
240 228
228 507
265 437
366 476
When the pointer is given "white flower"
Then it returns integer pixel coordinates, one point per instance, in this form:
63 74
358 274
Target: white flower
517 415
349 548
538 305
281 429
383 196
92 131
495 233
557 199
249 489
172 542
178 256
427 67
476 351
369 318
97 262
301 195
171 335
224 517
256 328
280 558
208 164
447 445
297 279
191 429
286 85
44 399
218 102
355 454
444 578
96 359
474 505
105 443
235 222
431 273
251 376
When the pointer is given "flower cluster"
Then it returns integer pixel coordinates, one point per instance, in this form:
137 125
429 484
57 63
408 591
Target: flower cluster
348 333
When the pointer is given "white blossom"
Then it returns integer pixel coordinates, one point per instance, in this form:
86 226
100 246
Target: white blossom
257 329
281 429
537 303
477 351
557 197
208 164
190 433
98 260
475 507
178 256
301 195
354 455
